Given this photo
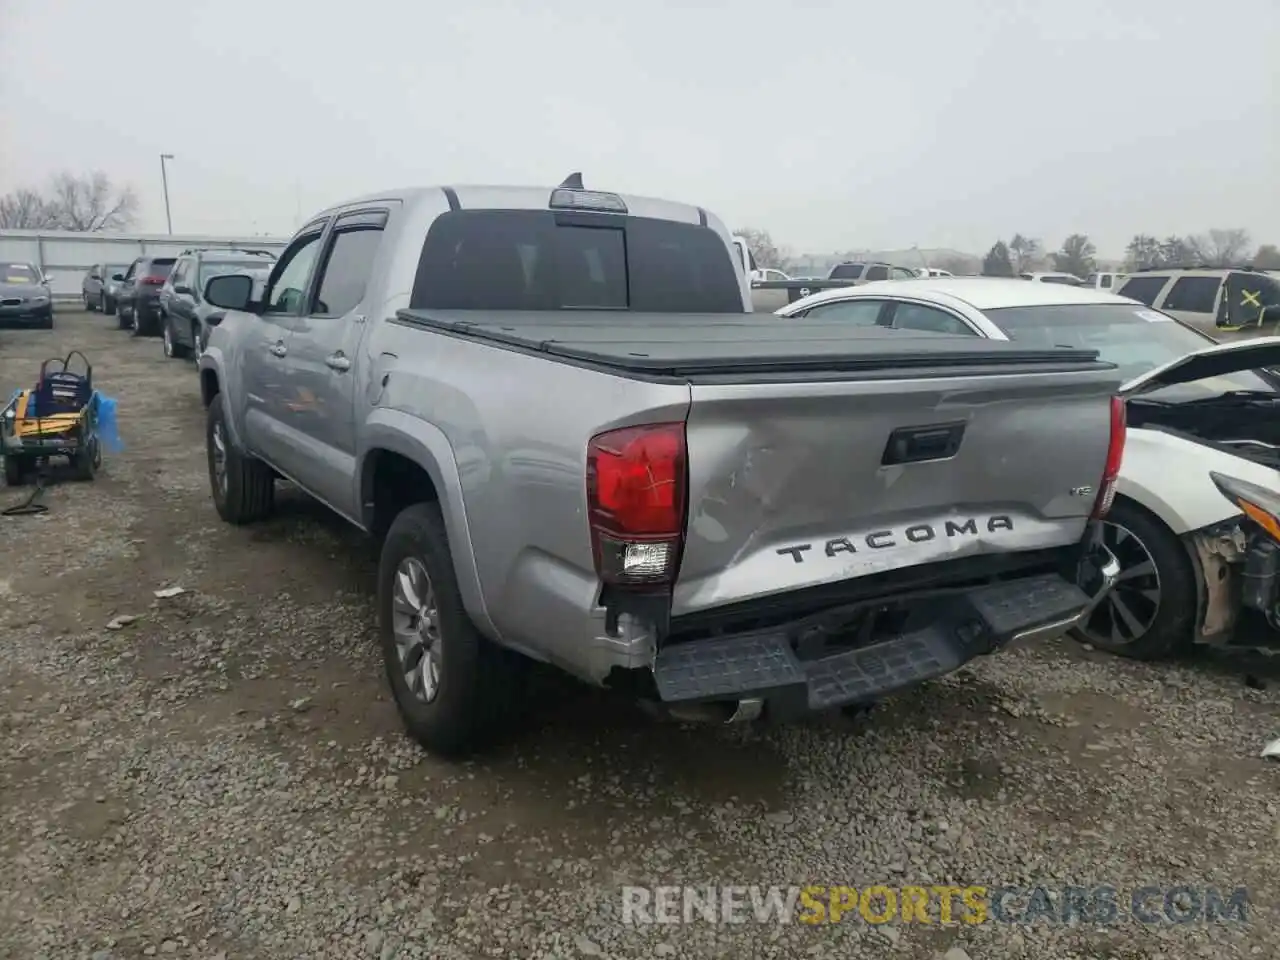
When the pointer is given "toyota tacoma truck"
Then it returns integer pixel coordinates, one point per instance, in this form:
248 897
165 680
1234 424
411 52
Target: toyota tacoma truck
575 443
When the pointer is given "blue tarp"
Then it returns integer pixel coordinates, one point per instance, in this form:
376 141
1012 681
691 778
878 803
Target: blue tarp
108 427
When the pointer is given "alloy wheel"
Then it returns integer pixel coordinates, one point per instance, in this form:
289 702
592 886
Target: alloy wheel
219 439
1131 607
415 622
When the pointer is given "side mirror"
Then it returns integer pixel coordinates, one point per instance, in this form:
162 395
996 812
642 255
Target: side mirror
117 277
231 291
183 289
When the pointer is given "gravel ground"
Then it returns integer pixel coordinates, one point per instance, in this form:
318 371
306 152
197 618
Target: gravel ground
225 776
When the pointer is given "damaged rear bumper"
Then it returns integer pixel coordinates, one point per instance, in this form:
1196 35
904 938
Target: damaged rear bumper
944 633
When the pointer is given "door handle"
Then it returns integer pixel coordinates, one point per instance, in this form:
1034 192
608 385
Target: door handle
338 361
278 349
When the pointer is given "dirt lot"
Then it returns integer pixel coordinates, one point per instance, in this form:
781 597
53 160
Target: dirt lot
226 777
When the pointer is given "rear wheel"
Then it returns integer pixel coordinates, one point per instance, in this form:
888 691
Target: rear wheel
88 304
452 685
1150 613
107 306
88 460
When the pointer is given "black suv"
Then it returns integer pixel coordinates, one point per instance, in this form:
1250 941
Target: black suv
185 317
138 296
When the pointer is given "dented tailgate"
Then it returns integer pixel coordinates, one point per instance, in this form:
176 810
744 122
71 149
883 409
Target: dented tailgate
793 485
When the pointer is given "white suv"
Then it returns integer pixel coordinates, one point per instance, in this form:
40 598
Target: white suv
1215 302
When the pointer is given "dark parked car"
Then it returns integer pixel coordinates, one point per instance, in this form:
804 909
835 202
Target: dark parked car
98 288
185 317
138 299
25 297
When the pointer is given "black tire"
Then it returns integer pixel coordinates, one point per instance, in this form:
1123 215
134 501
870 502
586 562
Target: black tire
15 471
46 322
87 461
479 682
107 306
248 494
141 326
1171 631
88 304
172 349
122 319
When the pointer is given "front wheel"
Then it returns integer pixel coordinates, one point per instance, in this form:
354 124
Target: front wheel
172 349
1150 612
243 487
108 307
88 304
452 685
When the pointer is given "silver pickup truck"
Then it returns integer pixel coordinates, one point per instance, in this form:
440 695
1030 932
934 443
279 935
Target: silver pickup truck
577 445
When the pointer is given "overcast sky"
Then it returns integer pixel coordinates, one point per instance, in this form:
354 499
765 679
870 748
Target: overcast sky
947 123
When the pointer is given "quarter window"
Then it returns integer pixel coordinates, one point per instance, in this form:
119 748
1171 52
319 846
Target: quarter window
1144 289
877 273
913 316
856 313
1193 294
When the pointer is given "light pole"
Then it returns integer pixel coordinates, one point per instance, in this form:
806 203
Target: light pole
164 178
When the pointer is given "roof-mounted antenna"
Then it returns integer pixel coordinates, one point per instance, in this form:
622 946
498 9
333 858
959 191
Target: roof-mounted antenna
572 182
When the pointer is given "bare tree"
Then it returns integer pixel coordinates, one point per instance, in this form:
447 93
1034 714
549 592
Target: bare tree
1267 257
92 203
1025 252
1220 248
25 209
760 243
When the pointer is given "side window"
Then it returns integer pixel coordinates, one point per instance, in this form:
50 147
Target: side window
876 273
846 271
289 286
1105 282
913 316
900 273
346 270
1144 289
856 312
132 271
179 273
1193 294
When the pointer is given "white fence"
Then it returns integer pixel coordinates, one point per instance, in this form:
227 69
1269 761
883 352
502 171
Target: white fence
66 256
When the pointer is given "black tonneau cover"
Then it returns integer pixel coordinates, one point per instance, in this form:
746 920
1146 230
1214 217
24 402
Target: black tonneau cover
665 344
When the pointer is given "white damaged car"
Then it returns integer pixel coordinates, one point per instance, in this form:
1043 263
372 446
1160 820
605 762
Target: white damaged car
1191 571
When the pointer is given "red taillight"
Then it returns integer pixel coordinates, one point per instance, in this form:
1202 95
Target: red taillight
154 281
1115 454
636 502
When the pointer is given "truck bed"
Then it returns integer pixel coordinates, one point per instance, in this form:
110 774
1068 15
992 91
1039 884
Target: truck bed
689 346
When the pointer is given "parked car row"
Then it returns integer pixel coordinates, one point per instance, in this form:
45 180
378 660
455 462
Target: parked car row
26 296
164 295
1194 406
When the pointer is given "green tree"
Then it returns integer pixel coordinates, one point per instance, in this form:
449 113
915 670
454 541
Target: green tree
1143 251
1025 252
1176 252
1076 256
997 262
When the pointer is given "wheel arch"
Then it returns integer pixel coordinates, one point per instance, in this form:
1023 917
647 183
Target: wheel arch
393 433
